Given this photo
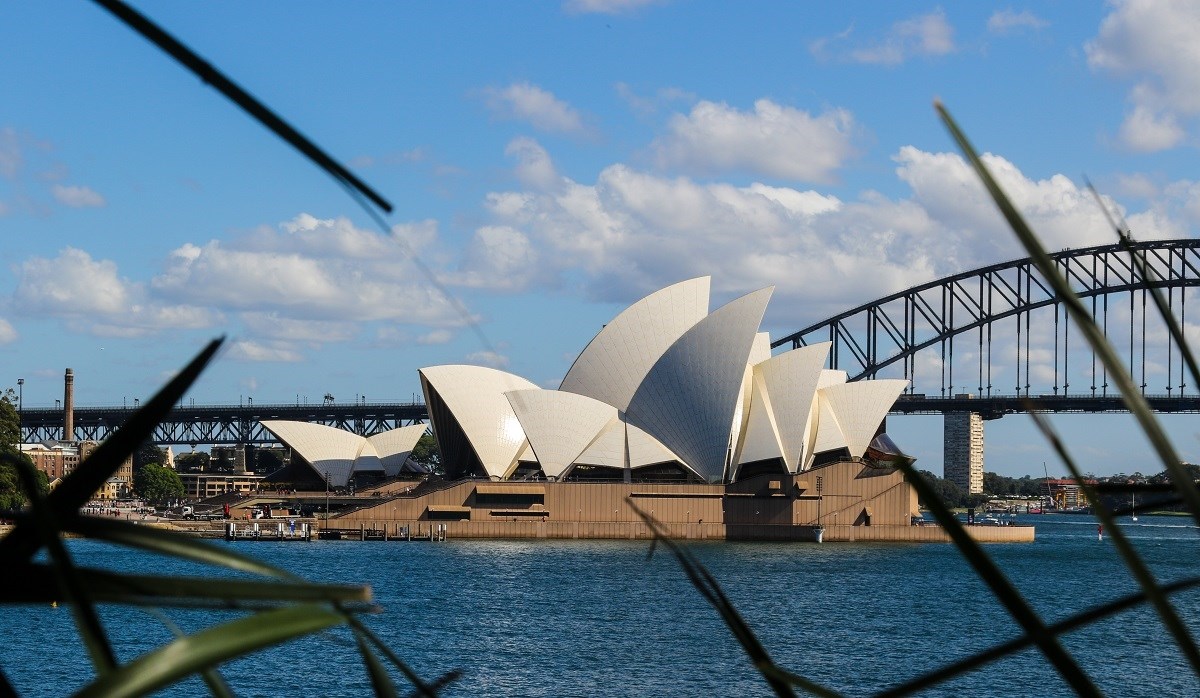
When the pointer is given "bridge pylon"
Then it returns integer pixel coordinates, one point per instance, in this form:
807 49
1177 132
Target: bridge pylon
962 448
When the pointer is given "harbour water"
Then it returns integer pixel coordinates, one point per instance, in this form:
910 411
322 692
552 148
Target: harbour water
587 618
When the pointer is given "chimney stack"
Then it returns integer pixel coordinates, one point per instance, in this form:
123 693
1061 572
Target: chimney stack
69 407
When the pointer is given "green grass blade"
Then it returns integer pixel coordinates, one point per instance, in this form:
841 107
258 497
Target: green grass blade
1024 642
208 648
212 678
1133 398
170 543
426 690
381 683
1004 591
234 93
780 680
1143 576
35 583
1149 274
78 487
63 575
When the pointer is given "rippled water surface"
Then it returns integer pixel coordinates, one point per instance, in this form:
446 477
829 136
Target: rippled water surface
585 618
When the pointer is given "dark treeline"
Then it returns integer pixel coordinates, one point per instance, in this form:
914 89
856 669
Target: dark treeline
999 486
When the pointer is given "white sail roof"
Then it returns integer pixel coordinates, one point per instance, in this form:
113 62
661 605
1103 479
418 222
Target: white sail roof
394 446
826 432
475 396
760 439
689 397
645 450
339 453
608 450
791 380
559 425
860 408
616 361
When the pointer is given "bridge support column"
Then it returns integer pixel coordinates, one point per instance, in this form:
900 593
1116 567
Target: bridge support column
962 449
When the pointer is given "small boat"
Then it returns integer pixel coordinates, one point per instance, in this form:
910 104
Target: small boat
1132 507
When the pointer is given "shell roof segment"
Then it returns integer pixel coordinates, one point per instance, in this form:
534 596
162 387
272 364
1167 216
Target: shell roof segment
339 454
860 408
791 380
475 395
560 426
689 397
615 363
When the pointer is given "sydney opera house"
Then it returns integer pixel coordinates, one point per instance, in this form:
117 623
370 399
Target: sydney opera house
336 457
666 389
671 411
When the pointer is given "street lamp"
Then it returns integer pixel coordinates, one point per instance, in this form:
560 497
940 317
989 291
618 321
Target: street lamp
326 499
820 530
20 402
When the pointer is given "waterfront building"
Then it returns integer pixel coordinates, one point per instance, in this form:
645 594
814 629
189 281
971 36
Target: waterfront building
672 411
58 459
1066 494
202 485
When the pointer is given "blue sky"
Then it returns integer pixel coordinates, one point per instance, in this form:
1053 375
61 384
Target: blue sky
552 163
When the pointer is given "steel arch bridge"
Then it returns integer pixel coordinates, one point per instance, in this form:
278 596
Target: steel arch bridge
993 315
221 424
883 338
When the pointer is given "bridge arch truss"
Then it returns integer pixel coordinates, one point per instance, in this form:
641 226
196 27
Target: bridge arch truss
992 315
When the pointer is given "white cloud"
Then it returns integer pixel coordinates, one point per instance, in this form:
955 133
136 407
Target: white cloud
1147 132
498 257
1153 42
246 350
632 232
523 101
534 167
8 333
272 325
1061 212
308 280
608 7
925 35
774 141
77 197
435 337
72 283
416 236
488 358
1009 21
646 106
308 269
94 298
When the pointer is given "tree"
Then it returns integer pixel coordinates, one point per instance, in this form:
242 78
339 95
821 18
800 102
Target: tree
146 454
10 423
12 494
950 493
426 453
997 484
154 483
192 462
